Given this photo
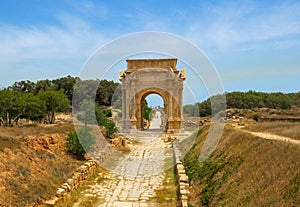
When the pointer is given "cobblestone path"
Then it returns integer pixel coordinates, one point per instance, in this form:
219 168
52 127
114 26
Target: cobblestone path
134 180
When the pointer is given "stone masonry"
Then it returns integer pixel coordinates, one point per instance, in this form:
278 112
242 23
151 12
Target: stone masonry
151 76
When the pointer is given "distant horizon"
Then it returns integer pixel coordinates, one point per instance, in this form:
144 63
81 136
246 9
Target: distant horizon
157 100
237 90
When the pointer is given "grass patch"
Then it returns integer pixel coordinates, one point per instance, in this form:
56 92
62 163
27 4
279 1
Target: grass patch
166 196
73 198
37 130
77 197
90 201
211 173
292 189
9 142
244 171
99 176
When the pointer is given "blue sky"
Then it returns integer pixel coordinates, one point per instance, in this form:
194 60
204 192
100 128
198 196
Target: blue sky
254 45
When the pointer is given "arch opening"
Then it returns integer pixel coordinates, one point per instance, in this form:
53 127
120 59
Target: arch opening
153 117
170 112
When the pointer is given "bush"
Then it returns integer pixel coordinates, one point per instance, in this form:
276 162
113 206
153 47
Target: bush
110 128
81 142
256 117
101 116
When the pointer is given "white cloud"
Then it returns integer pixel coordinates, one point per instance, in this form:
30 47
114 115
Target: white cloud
90 8
74 39
245 26
46 51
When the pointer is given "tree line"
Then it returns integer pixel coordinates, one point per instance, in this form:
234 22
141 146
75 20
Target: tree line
246 100
40 100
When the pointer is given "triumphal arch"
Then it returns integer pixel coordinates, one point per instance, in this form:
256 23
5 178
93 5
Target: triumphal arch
151 76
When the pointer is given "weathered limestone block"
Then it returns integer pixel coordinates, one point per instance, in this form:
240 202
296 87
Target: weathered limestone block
66 186
76 177
60 192
183 178
178 160
183 192
183 185
180 169
184 197
82 169
184 203
88 164
51 202
70 181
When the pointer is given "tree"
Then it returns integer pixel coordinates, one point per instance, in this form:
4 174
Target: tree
204 108
105 92
81 142
117 98
87 108
44 85
15 105
23 86
35 108
66 85
295 98
191 110
83 89
253 99
218 103
90 109
55 102
146 111
11 107
102 119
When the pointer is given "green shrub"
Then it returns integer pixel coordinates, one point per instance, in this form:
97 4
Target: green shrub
146 111
101 116
256 117
110 128
81 142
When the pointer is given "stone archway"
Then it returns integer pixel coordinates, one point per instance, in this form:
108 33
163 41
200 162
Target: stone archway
151 76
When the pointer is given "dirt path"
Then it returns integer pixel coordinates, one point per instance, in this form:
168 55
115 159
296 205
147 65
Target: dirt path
270 136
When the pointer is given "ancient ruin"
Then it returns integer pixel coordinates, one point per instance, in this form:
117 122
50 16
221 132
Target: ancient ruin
151 76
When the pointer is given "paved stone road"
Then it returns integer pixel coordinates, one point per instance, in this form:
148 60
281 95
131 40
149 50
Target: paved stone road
134 180
156 121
